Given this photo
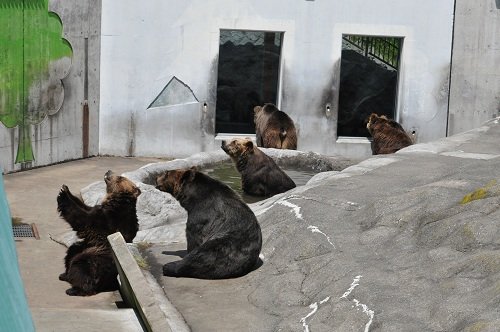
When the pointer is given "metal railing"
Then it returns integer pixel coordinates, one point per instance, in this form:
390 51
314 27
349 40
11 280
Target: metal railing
384 49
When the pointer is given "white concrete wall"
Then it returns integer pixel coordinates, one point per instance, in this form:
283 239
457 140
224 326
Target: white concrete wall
475 77
146 43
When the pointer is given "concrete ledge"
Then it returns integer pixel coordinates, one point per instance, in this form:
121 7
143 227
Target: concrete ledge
138 293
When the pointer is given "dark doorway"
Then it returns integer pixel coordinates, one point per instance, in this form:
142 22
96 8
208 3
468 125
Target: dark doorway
368 81
248 75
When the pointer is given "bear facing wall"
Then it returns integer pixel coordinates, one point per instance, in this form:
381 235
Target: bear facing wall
388 135
274 128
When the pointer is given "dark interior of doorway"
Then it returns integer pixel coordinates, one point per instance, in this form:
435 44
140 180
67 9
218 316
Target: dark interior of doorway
368 81
248 73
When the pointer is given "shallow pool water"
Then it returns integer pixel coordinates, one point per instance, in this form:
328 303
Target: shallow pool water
227 173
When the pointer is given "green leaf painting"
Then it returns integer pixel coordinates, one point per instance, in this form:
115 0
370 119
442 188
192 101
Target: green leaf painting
33 59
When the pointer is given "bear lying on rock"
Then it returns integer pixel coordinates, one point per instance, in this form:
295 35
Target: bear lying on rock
260 176
89 262
274 128
223 236
388 135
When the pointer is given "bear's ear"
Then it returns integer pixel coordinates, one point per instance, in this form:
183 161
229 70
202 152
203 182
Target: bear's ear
249 145
372 118
257 109
188 174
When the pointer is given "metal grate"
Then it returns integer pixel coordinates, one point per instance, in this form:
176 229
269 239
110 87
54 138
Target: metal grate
25 230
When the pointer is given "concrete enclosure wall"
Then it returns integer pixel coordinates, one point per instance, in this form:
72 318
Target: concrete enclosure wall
475 75
157 90
64 132
145 45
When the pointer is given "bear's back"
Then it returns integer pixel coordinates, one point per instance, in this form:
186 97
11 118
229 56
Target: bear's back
389 137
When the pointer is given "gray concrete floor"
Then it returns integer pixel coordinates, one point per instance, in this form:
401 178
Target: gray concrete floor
32 198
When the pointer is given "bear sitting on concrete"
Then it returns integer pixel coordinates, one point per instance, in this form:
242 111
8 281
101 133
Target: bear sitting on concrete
260 176
274 128
223 236
388 135
89 262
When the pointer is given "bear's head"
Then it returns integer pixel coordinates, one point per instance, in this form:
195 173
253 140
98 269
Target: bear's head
116 184
374 121
261 111
256 110
172 181
238 147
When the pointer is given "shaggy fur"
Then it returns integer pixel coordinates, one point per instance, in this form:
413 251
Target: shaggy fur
89 263
274 128
388 135
223 236
260 176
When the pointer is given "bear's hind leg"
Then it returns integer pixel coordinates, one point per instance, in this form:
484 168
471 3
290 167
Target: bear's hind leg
74 291
214 259
191 266
72 251
81 276
91 272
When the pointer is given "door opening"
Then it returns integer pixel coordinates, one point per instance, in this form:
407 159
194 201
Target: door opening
248 75
369 71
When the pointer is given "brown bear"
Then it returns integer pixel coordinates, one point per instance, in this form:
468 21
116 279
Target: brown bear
274 128
388 135
260 176
223 236
89 262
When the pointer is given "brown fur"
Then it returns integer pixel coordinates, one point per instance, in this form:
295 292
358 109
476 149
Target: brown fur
274 128
388 135
260 175
89 263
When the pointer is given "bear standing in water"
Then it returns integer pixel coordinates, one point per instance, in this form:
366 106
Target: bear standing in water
223 236
90 268
274 128
388 135
260 176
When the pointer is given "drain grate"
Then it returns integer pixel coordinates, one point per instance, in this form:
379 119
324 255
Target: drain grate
25 230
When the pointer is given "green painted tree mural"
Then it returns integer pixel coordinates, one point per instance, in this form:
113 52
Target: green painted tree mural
33 59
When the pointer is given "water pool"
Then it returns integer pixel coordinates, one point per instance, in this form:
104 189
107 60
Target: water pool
227 173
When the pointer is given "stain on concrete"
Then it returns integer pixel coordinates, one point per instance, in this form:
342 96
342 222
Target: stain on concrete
443 87
330 95
208 119
131 136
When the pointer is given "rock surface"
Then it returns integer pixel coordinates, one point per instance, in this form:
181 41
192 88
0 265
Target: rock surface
404 242
401 242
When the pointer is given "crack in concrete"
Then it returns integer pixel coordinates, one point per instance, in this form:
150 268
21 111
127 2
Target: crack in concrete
364 307
314 306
